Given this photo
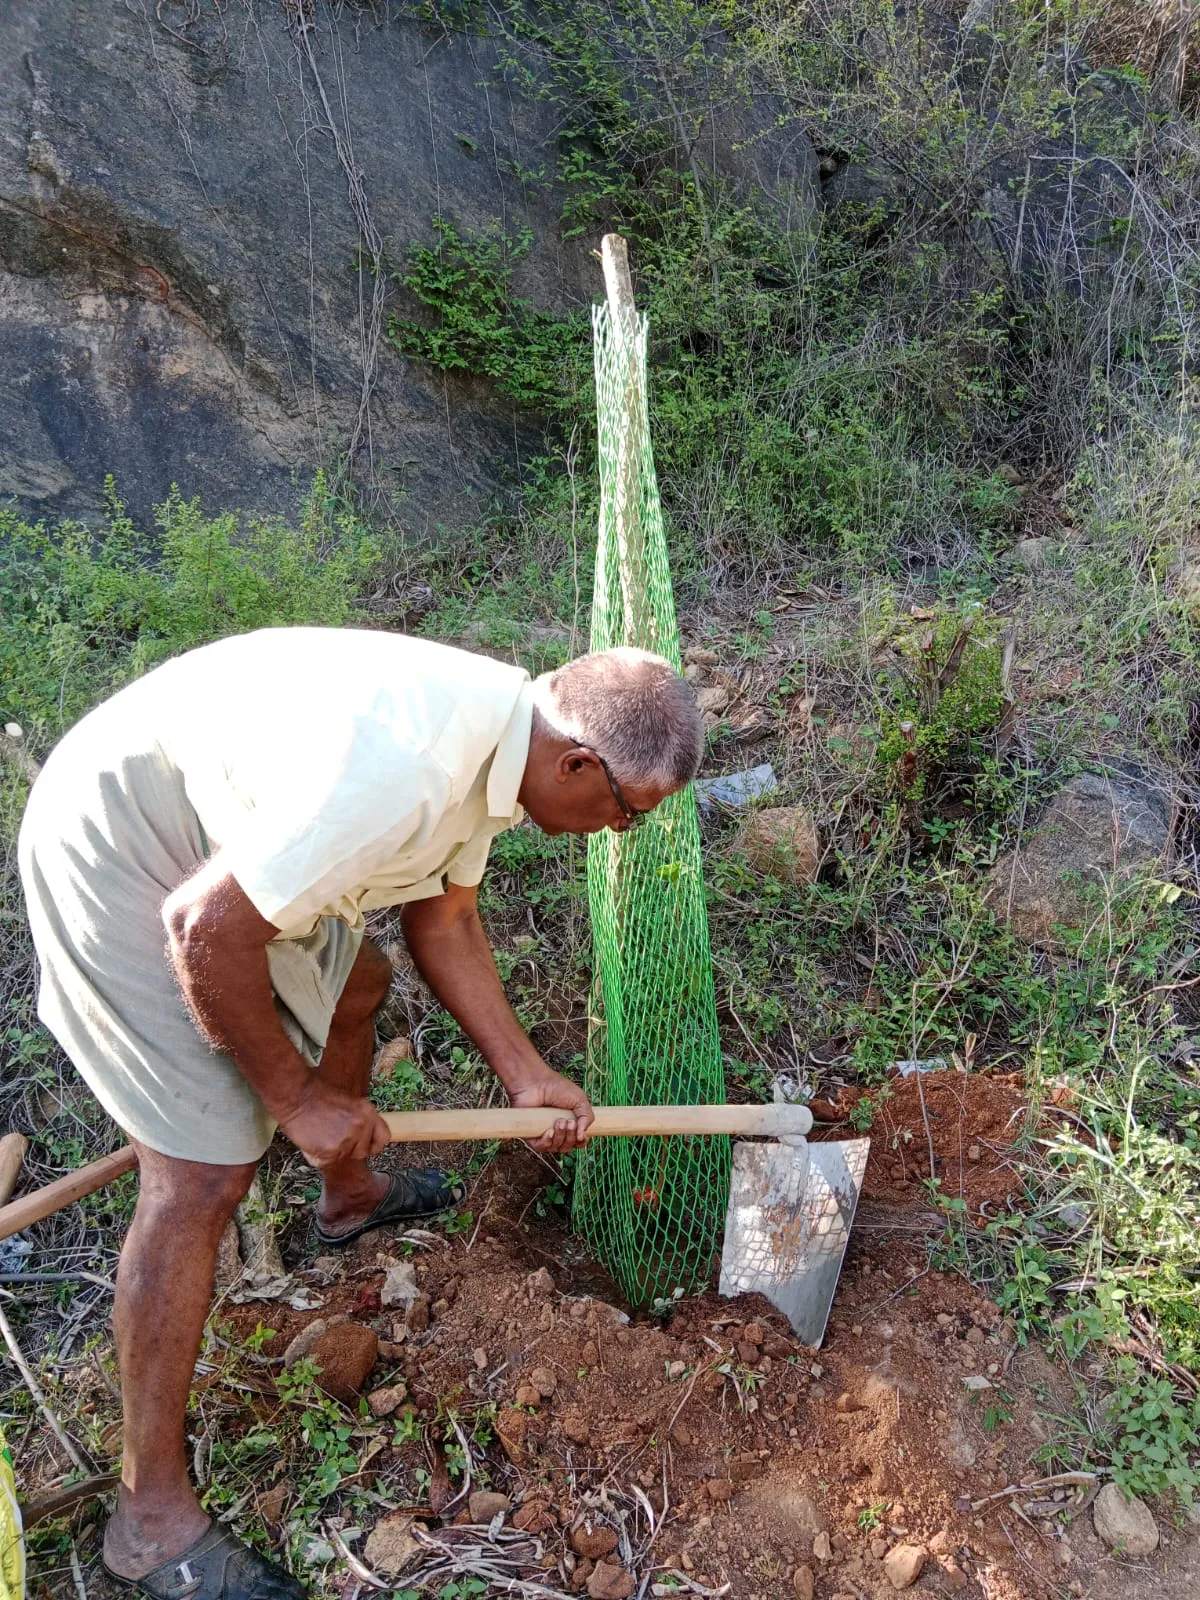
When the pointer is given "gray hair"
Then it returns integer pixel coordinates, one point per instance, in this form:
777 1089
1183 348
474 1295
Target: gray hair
633 709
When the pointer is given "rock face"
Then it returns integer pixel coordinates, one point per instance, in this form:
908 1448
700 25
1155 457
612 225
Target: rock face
1096 832
782 841
1125 1526
179 300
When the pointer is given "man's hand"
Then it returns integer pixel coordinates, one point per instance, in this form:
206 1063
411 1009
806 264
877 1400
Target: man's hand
329 1126
552 1089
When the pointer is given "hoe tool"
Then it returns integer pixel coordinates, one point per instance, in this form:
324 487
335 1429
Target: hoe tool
791 1203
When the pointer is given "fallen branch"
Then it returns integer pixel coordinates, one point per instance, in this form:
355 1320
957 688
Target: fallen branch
43 1405
682 1581
1061 1480
62 1500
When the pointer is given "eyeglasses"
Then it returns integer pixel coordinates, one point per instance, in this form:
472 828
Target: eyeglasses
632 818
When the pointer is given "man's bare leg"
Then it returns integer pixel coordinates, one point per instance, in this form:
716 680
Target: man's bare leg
164 1288
350 1190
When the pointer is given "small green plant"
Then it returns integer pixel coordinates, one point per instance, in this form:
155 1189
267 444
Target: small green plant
870 1518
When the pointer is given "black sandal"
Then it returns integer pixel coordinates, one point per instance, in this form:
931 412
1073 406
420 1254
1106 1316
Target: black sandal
217 1567
414 1192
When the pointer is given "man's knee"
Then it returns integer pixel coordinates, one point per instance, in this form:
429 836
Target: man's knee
367 986
198 1194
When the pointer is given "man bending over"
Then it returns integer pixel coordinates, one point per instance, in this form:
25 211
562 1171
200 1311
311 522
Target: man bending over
198 856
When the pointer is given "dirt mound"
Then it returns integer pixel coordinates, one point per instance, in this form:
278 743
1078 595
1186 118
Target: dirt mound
967 1121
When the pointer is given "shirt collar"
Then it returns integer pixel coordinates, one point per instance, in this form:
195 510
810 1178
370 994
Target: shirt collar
508 763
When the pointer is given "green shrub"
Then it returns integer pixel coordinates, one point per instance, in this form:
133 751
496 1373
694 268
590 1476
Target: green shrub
83 611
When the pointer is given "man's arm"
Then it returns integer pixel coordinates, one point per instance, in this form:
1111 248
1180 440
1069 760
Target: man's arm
448 944
218 946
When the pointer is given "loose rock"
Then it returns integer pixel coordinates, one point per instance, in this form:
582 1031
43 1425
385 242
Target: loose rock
904 1564
527 1395
390 1545
384 1401
1125 1526
485 1504
543 1381
609 1583
821 1548
345 1355
593 1541
535 1516
1098 830
782 841
804 1583
539 1284
303 1342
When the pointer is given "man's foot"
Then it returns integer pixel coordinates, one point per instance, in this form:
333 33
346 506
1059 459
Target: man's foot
216 1566
346 1206
136 1541
409 1194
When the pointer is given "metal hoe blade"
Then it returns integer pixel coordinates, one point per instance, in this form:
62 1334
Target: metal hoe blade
788 1223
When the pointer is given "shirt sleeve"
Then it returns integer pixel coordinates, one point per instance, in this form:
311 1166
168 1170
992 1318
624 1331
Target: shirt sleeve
467 868
325 820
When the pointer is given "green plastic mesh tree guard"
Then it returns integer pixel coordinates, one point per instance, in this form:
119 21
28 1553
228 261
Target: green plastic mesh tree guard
652 1210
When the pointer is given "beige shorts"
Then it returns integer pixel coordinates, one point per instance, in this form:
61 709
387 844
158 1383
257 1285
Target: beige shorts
107 835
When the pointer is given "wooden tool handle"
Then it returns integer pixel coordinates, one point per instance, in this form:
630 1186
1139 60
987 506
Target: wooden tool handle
31 1208
12 1152
777 1121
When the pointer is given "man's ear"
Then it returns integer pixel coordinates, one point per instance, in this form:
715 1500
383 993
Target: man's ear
574 761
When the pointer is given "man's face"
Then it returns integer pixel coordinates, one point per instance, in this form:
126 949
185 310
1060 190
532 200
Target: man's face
570 791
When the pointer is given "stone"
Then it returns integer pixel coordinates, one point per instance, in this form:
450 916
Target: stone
302 1342
486 1504
1098 830
719 1489
527 1395
146 274
608 1582
543 1381
390 1545
591 1354
345 1354
1126 1526
713 701
752 1333
390 1057
576 1427
974 1153
480 1359
535 1517
804 1583
386 1400
512 1429
539 1284
1033 554
399 1287
416 1318
593 1540
904 1564
879 1548
821 1548
676 1369
782 841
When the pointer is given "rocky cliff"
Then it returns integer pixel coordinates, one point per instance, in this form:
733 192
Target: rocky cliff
191 198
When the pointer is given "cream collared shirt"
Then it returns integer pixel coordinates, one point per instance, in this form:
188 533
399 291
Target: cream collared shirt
341 770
